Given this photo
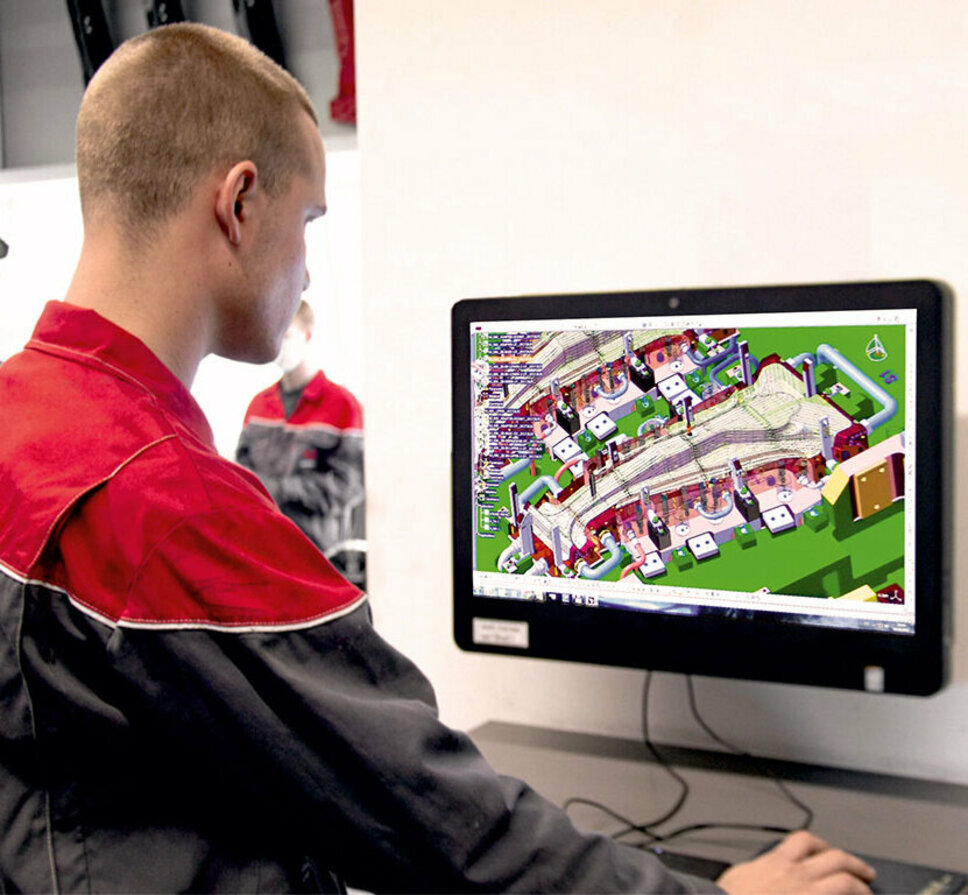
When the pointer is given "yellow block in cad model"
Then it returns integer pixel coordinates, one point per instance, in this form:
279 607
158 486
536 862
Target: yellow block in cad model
835 485
862 594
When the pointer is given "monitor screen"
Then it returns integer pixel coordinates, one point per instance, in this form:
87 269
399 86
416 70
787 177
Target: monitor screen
745 482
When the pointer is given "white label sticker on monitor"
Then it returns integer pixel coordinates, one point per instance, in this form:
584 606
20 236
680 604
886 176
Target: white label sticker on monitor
497 632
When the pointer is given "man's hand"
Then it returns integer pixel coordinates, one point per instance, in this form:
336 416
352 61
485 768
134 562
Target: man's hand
801 863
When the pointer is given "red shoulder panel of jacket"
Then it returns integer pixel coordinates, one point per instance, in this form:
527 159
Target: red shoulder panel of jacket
266 405
65 430
114 492
323 402
328 403
195 541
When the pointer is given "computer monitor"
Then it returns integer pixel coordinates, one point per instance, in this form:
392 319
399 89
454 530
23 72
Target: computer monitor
745 482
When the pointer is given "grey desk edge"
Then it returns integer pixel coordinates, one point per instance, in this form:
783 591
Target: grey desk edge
705 759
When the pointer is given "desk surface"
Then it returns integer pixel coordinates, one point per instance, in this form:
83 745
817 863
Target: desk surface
901 818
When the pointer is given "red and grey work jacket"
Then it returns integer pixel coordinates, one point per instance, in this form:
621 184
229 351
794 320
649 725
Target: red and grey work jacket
312 465
191 699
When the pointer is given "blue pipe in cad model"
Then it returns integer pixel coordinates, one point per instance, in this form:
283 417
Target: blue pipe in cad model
716 515
605 564
617 393
703 362
722 363
539 568
540 482
514 468
754 369
827 354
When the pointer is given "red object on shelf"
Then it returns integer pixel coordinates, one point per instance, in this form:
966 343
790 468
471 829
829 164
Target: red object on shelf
343 106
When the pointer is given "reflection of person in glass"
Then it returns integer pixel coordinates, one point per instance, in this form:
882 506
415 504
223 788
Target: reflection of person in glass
303 437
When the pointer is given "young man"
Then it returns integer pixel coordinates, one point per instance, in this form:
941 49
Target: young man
303 437
191 699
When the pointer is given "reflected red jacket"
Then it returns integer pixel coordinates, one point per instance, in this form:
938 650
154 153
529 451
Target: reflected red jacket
312 463
191 699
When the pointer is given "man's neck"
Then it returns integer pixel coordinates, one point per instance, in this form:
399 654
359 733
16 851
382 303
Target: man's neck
155 292
297 378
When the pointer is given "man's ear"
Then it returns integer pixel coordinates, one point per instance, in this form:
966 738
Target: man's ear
232 199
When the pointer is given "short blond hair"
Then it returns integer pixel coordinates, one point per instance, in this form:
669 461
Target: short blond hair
173 105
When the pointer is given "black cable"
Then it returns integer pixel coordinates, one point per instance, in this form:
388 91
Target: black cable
762 768
630 825
648 828
662 761
727 825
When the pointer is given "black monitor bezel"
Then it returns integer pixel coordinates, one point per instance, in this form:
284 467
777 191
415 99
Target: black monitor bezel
913 664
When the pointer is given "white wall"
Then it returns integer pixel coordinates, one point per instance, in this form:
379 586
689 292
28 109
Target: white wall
523 146
40 219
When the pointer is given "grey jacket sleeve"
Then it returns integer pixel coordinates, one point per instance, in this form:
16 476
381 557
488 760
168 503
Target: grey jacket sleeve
315 476
330 738
336 482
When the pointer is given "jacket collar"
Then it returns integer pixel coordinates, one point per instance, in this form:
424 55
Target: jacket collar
87 337
315 385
